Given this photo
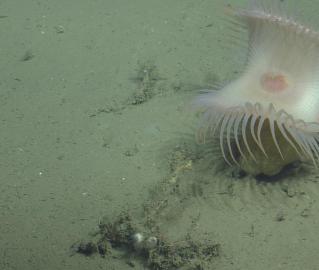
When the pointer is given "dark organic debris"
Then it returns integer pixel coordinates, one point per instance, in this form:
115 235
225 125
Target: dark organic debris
28 55
85 248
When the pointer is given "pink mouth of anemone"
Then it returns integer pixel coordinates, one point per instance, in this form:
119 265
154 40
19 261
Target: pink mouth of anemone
274 82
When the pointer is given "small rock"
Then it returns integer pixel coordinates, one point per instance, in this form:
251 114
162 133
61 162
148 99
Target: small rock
280 216
305 213
59 29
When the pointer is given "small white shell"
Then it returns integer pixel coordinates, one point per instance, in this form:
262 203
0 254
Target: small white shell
138 241
151 242
138 237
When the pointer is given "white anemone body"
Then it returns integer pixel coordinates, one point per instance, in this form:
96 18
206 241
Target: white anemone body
280 82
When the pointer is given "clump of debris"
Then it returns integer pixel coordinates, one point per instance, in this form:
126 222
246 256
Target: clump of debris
154 251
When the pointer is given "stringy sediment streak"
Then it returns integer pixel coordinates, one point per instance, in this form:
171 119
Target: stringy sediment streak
236 123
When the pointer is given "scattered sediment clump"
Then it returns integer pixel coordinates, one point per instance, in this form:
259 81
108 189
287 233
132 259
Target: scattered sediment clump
146 79
123 235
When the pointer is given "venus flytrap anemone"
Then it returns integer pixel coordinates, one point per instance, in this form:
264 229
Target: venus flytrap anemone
269 116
